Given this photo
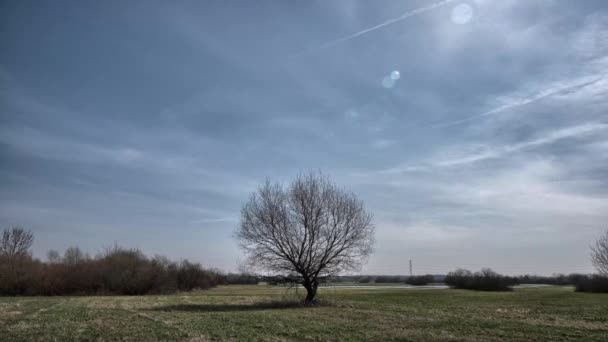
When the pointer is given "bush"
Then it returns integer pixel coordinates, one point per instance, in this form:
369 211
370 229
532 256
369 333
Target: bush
240 279
420 280
365 279
128 272
192 276
593 283
485 280
19 275
389 279
117 271
556 279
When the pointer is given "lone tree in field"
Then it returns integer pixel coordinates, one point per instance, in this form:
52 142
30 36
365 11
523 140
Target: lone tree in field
16 241
311 229
599 254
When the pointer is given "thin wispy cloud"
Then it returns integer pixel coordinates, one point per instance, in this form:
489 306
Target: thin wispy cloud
549 138
522 101
386 23
216 220
492 152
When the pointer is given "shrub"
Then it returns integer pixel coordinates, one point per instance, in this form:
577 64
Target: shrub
117 271
485 280
388 279
192 276
365 279
240 279
19 274
420 280
556 279
128 272
595 283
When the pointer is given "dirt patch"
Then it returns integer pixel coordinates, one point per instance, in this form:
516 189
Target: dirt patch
8 315
568 323
24 326
513 312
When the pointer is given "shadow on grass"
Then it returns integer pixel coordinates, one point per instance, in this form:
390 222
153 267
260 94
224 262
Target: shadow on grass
237 307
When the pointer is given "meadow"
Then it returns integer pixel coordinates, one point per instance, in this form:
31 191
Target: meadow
273 313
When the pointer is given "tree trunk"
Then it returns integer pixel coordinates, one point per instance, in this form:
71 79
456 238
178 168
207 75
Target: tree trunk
311 292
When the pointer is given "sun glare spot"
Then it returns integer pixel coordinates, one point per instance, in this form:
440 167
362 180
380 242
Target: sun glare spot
391 79
462 13
388 82
395 75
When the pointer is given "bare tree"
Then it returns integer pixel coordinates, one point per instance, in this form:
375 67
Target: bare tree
310 228
53 256
599 254
73 255
16 241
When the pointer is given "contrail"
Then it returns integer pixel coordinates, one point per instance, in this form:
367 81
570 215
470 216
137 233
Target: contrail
500 151
523 101
373 28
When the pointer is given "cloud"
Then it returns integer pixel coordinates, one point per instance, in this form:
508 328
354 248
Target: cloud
518 209
388 22
513 101
229 219
548 138
382 143
529 189
483 152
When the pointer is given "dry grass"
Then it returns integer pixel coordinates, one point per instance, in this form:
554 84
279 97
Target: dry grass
264 313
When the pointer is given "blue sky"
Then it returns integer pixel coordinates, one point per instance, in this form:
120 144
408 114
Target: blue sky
475 131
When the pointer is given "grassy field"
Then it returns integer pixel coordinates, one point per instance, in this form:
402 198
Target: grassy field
257 313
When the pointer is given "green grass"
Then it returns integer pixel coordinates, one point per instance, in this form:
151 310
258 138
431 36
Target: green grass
258 313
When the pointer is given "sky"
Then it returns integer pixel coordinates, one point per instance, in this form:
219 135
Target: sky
476 132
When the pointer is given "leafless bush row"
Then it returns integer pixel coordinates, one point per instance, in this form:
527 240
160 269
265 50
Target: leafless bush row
115 271
484 280
594 283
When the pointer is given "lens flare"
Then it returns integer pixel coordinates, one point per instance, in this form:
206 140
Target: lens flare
462 13
391 79
388 82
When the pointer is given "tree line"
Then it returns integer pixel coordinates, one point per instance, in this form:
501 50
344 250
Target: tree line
119 270
488 280
116 270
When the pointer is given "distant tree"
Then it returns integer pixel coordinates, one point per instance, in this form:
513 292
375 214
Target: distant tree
16 241
460 279
594 283
388 279
365 279
17 267
53 256
599 254
420 280
73 256
484 280
311 228
115 271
